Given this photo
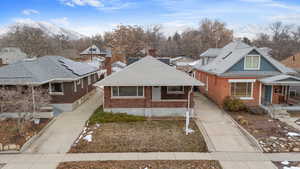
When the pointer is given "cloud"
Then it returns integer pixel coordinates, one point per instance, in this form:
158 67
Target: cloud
106 5
275 4
30 12
72 3
61 21
287 18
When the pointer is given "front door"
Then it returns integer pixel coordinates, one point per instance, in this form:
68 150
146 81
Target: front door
156 93
267 96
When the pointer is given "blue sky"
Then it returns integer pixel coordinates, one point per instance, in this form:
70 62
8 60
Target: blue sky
96 16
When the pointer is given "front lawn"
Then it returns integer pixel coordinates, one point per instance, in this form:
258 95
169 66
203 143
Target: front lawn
203 164
273 135
11 134
136 134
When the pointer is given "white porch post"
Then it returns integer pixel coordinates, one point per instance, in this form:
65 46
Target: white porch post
33 100
187 115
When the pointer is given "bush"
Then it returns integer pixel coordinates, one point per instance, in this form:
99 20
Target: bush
233 104
100 116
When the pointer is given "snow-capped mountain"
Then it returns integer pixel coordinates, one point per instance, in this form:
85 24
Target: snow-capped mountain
49 28
250 30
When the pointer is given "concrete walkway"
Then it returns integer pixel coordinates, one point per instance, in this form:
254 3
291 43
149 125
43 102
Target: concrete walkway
59 137
223 134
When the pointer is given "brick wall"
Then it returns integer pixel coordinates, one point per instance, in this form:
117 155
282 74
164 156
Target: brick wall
219 88
145 102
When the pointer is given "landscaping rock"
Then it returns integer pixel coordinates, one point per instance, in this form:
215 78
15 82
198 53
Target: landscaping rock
296 149
5 148
12 147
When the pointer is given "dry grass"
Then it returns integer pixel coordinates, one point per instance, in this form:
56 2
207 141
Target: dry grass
294 113
142 136
11 134
204 164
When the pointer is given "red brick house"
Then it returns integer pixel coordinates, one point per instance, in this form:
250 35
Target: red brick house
247 73
149 87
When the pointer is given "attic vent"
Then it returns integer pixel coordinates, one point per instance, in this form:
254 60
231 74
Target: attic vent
227 55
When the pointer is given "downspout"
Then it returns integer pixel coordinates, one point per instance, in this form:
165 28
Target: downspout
33 101
187 121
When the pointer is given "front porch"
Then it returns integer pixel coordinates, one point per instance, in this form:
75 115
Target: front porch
280 93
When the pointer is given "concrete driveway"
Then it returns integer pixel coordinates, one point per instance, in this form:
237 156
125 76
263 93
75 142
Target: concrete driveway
222 132
59 137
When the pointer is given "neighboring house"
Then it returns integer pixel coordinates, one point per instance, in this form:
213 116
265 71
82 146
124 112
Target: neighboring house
11 55
69 83
92 52
247 73
118 66
149 87
293 62
209 55
131 60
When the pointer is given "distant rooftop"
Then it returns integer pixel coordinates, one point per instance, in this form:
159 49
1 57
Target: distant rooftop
93 50
42 70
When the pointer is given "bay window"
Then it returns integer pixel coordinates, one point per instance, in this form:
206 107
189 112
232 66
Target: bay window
127 91
242 90
252 62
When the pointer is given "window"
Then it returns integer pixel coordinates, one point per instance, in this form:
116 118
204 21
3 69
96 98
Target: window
175 89
241 90
252 62
128 91
56 88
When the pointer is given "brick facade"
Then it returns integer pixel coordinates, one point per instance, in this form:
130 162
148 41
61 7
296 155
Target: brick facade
218 88
171 100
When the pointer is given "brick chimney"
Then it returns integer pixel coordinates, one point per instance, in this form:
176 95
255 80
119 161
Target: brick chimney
152 52
107 62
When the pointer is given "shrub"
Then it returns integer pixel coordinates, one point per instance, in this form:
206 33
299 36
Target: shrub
100 116
233 104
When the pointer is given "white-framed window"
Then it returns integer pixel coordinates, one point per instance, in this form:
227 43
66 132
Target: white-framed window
252 62
175 89
56 88
242 90
89 80
75 86
127 91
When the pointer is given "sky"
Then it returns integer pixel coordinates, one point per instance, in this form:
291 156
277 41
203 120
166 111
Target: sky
90 17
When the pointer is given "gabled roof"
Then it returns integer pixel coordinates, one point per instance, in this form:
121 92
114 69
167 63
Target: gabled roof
281 80
234 52
212 52
42 70
93 50
149 71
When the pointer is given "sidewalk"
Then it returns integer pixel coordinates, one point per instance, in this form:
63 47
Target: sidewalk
229 160
59 137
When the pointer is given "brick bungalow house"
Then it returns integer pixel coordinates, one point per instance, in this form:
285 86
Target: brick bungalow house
149 87
69 83
247 73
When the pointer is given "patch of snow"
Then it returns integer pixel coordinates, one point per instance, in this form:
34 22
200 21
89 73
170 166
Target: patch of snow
292 134
285 162
291 167
88 138
189 131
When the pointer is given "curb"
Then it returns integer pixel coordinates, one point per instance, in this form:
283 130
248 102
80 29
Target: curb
249 136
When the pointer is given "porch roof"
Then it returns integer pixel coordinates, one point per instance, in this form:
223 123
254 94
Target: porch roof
281 80
149 71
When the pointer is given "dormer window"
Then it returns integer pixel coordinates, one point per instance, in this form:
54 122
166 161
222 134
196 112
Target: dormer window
252 62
